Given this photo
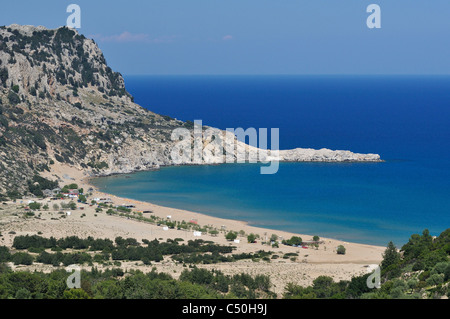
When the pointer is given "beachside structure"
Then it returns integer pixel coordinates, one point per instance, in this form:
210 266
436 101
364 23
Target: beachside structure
47 193
103 200
51 192
72 193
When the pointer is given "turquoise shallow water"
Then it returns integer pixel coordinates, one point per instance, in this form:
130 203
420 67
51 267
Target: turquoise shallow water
404 119
369 203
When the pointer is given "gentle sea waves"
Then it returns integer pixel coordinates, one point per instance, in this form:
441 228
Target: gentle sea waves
404 119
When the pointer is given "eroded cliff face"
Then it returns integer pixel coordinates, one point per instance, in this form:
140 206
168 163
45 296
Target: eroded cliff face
60 102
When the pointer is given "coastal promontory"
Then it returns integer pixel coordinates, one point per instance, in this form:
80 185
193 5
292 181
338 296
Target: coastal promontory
60 102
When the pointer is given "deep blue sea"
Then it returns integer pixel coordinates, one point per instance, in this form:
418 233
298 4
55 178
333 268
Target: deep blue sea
405 119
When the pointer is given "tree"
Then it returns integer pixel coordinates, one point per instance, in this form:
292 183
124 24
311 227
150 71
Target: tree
82 198
231 236
412 283
274 237
214 232
23 293
316 238
341 250
35 206
295 240
14 194
417 244
324 287
298 292
4 76
391 256
108 289
13 98
251 238
76 294
5 255
22 259
262 282
431 258
66 188
435 279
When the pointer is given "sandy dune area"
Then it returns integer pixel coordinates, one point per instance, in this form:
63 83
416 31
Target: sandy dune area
309 264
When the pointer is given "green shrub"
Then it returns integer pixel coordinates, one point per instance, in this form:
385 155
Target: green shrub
13 98
23 294
4 76
293 241
22 258
231 236
251 238
34 206
435 279
5 255
14 194
341 250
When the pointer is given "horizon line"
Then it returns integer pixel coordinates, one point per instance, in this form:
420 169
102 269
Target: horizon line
288 74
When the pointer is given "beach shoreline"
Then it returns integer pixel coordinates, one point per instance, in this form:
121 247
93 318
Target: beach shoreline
237 222
84 181
310 262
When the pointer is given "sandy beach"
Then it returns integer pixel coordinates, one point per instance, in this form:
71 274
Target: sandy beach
309 264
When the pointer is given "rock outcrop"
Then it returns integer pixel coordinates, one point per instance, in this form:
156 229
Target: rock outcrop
325 155
60 102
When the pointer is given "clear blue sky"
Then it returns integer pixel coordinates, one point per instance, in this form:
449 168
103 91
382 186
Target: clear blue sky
255 36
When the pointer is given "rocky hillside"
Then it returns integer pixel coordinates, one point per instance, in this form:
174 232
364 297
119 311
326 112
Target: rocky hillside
60 102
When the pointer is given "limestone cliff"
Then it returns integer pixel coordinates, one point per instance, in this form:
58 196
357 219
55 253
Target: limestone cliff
60 102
